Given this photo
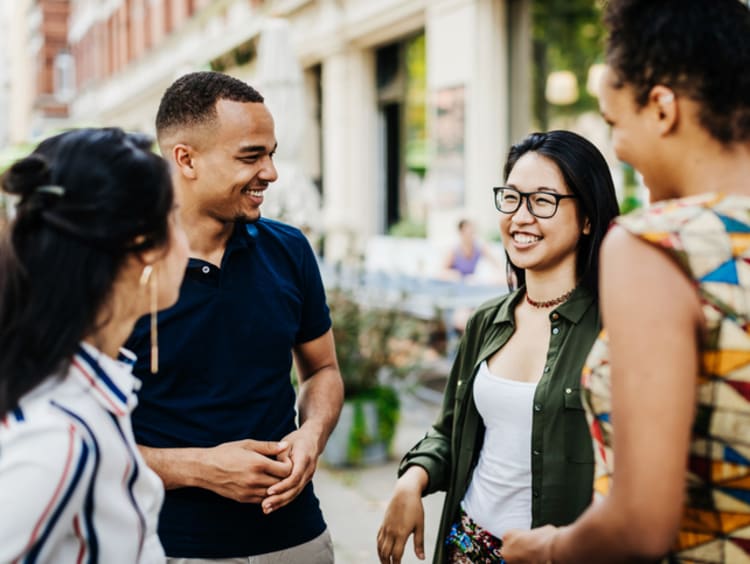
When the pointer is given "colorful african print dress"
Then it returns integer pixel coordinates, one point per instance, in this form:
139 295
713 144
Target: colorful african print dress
709 237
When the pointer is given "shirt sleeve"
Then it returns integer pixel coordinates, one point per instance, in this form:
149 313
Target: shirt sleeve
433 452
43 473
316 318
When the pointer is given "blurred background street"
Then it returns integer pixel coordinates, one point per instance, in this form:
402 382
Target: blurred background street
354 500
393 116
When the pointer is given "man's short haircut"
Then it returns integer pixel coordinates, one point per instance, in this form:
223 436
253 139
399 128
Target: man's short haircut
699 48
191 99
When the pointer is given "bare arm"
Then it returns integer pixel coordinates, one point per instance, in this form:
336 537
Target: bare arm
404 516
321 395
321 389
239 470
653 317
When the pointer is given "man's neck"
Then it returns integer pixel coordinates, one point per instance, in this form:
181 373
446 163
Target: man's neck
208 237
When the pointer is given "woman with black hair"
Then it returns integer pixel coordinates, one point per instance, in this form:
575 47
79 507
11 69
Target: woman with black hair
511 447
94 245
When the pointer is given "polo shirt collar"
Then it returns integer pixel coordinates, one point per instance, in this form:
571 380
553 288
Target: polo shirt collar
573 309
244 236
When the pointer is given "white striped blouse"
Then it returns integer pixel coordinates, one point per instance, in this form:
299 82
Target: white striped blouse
73 485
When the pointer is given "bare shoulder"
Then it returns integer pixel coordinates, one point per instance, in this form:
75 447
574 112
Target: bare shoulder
638 276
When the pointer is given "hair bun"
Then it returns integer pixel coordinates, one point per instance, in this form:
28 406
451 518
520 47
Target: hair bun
26 175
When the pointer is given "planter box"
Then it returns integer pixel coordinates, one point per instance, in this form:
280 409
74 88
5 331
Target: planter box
364 432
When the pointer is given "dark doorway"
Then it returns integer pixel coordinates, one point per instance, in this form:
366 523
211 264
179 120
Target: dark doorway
392 120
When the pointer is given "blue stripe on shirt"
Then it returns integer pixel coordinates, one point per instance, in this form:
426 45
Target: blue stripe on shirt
33 554
88 506
102 376
131 481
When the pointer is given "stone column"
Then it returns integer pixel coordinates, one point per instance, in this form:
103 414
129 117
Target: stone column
488 119
467 47
350 194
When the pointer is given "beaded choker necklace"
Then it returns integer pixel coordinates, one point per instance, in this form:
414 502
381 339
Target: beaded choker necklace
549 303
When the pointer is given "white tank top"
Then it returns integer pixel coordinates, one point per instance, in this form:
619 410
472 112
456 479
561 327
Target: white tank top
499 494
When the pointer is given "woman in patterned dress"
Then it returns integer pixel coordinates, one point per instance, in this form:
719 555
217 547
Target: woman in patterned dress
668 381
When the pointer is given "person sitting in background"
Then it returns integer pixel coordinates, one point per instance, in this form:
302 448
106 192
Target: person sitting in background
461 265
94 245
462 261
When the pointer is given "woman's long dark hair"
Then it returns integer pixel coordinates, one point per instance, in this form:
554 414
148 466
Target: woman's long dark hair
88 198
587 176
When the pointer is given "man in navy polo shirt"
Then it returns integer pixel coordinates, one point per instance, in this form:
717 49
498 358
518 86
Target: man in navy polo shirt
217 422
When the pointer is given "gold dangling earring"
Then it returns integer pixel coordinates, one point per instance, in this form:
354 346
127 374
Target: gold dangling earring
148 276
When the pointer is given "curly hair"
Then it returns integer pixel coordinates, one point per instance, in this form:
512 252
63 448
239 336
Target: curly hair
191 99
699 48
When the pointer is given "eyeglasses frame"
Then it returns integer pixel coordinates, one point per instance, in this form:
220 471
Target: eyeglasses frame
527 195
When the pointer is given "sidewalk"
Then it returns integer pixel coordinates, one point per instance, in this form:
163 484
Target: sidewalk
354 500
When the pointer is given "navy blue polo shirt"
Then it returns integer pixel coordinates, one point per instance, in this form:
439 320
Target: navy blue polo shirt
225 355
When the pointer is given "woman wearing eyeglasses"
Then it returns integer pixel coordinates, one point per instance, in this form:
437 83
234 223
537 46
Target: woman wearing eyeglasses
511 446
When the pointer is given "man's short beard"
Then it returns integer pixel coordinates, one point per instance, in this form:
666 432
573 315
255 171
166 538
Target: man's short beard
241 218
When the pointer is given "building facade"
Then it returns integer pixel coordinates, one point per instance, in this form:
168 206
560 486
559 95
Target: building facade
405 102
393 116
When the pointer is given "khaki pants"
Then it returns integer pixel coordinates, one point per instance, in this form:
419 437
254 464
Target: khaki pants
317 551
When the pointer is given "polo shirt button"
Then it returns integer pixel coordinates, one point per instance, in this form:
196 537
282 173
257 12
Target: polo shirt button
555 315
535 492
537 452
568 391
206 270
537 407
555 330
546 368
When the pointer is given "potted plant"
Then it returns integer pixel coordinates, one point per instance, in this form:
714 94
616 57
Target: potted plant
375 346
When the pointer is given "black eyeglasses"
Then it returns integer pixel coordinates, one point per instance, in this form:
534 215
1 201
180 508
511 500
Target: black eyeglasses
540 204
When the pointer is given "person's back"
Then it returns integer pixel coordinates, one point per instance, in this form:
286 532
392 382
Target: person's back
707 236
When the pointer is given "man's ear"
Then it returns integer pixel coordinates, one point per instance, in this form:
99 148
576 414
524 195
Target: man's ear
663 103
183 160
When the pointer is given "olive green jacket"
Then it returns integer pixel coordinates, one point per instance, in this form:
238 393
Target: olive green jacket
562 457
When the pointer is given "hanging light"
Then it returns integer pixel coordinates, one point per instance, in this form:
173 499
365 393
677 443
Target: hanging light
594 79
561 88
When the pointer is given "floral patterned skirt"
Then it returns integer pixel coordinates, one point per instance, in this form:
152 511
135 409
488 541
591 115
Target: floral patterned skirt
468 543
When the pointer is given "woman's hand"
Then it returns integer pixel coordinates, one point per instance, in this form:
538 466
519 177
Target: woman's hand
529 547
403 517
